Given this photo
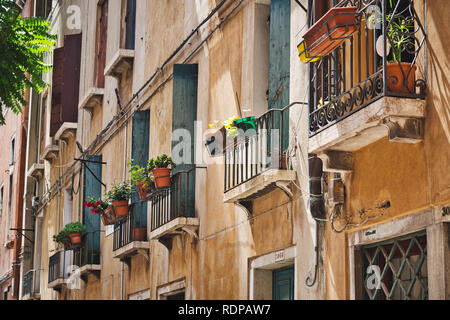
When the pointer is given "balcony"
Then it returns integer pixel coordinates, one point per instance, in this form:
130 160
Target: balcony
92 99
173 208
121 62
257 162
67 130
36 171
130 234
31 285
60 269
87 256
355 98
50 153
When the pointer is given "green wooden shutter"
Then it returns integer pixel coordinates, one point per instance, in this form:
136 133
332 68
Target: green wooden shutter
283 284
279 67
92 188
130 24
185 84
279 55
139 153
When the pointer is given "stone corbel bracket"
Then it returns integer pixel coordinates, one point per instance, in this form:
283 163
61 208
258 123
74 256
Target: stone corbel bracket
337 161
403 129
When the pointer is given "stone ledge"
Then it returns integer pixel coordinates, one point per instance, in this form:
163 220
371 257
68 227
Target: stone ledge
93 98
68 129
174 227
256 184
399 118
50 153
131 249
36 170
121 61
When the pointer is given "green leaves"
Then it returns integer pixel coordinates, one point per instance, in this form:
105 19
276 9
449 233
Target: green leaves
22 45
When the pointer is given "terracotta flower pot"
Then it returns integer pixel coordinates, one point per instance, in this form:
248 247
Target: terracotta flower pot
337 25
120 208
140 234
162 177
75 237
395 78
109 216
142 191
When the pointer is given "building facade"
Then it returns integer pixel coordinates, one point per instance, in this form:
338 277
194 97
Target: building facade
338 191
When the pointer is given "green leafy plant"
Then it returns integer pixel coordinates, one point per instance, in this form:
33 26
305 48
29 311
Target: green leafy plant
139 174
120 192
162 161
22 45
61 237
74 227
398 30
231 129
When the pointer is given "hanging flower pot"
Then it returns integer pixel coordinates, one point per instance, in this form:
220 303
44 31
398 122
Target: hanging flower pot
160 170
74 230
109 216
162 177
337 25
247 125
75 237
396 78
303 53
143 189
120 208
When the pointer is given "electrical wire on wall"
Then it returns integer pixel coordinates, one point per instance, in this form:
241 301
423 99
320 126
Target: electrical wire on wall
337 212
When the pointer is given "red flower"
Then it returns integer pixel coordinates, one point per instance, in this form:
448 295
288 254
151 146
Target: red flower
87 204
98 203
94 210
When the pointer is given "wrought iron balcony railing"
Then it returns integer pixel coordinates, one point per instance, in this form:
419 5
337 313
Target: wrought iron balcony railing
256 151
173 202
59 267
31 283
89 251
359 71
132 228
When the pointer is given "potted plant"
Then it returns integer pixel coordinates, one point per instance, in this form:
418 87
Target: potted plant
398 30
63 238
219 138
75 230
160 170
102 208
337 25
119 196
142 178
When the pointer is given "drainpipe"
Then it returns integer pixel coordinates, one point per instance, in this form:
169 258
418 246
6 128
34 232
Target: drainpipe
19 201
317 203
124 178
316 206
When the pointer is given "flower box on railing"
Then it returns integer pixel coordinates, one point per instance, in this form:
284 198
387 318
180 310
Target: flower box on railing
337 25
218 141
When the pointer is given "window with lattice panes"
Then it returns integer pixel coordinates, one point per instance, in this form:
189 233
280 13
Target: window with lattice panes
395 269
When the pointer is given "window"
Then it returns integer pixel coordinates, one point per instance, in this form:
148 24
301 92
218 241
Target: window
396 269
8 217
102 32
1 209
128 24
12 151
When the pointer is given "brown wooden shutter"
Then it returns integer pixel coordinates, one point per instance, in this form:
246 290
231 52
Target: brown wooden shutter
71 89
101 59
57 90
66 83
